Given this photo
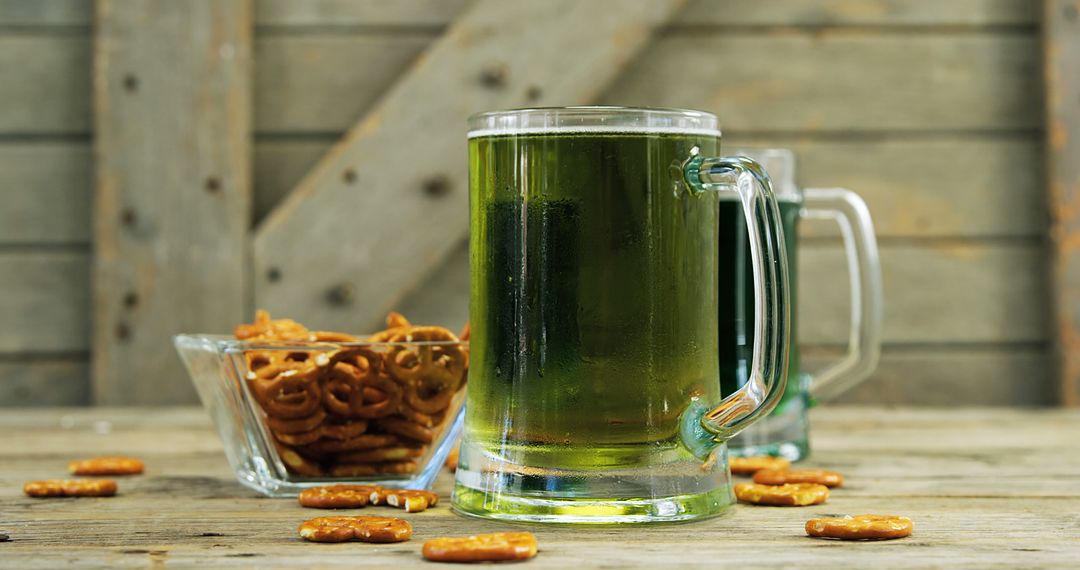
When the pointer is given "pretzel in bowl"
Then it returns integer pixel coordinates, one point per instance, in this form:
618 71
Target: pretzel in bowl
354 410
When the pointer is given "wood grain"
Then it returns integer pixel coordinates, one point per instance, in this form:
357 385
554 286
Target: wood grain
48 381
841 81
46 87
392 210
46 192
962 474
173 187
1061 50
45 305
698 12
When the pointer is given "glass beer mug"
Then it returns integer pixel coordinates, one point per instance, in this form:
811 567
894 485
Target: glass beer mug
785 431
597 255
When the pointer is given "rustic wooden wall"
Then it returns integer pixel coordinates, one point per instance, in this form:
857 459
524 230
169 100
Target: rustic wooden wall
931 110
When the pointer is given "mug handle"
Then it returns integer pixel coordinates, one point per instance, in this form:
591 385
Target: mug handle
849 211
772 334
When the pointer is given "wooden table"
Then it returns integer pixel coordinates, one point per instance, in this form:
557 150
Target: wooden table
986 488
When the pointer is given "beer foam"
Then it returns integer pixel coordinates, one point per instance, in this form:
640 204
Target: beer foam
585 129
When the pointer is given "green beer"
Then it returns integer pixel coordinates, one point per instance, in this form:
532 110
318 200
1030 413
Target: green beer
589 285
735 305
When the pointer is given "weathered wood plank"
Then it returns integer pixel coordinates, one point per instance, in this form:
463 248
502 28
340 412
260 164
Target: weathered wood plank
939 186
698 12
841 81
812 82
1061 49
46 191
38 382
366 194
937 292
326 83
173 187
25 13
45 304
997 375
929 186
46 86
961 473
934 293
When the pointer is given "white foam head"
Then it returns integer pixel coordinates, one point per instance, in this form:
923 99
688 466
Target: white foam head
595 119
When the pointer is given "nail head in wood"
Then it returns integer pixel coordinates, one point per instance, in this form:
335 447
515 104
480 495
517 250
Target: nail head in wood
273 274
341 294
437 186
123 331
213 184
131 300
131 83
494 76
533 93
349 176
128 217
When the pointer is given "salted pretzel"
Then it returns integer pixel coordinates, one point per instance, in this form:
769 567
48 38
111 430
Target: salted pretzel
346 386
288 391
294 426
432 373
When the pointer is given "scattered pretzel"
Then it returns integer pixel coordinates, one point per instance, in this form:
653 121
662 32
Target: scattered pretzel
336 497
106 466
751 465
482 547
781 477
410 500
860 527
358 528
71 488
790 495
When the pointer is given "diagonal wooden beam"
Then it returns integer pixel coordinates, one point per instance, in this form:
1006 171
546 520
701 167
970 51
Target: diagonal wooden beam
172 116
389 201
1061 52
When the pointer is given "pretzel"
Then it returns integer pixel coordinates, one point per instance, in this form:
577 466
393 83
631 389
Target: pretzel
265 329
412 501
780 477
790 495
465 333
348 381
328 336
381 455
106 466
70 488
431 372
312 422
419 418
369 469
346 431
860 527
297 439
336 496
287 391
482 547
363 529
363 441
297 463
405 428
751 465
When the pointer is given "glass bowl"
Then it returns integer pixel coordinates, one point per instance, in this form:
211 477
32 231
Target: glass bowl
294 415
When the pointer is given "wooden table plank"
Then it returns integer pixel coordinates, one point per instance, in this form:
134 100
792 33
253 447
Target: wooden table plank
986 488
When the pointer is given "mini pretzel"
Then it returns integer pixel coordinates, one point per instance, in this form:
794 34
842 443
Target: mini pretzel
412 501
363 529
302 438
301 425
420 418
405 428
381 455
369 469
346 431
395 322
106 466
336 496
482 547
288 391
266 329
365 441
860 527
780 477
790 495
432 372
465 333
69 488
751 465
327 336
353 376
297 463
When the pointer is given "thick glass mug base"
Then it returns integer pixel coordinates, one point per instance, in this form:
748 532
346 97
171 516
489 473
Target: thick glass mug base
668 487
784 433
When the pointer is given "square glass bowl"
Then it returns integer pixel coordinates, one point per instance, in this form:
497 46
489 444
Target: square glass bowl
294 415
